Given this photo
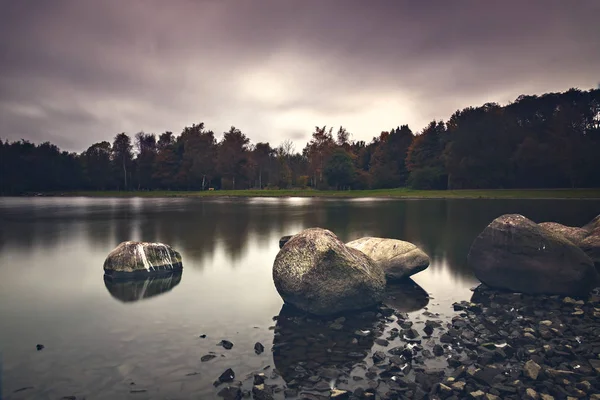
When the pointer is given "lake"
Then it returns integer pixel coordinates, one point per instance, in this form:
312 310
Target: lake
142 341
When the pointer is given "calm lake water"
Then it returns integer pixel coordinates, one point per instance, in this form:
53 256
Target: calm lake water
142 341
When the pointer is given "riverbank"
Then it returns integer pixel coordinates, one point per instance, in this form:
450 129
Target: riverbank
496 346
380 193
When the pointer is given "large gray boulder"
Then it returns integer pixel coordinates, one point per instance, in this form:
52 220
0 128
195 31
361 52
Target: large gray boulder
516 254
140 259
319 274
574 234
586 237
398 259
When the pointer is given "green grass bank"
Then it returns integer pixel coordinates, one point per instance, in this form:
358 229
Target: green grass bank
380 193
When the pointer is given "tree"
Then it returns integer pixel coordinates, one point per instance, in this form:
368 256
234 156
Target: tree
388 163
198 156
122 155
424 158
339 170
167 163
233 156
317 151
261 156
146 157
96 161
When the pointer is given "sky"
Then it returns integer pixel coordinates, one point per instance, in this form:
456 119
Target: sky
76 72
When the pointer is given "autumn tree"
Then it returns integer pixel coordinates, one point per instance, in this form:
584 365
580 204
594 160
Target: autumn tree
317 151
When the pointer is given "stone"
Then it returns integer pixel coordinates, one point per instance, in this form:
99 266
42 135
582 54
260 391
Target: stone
531 369
339 394
262 392
226 344
514 253
130 260
39 347
207 357
399 259
230 393
458 386
258 348
478 394
227 376
573 234
318 274
591 246
378 356
438 350
533 395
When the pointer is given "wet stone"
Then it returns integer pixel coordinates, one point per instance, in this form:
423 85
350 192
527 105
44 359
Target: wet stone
226 344
258 348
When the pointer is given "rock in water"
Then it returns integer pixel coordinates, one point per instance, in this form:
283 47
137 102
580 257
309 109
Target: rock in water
398 259
574 234
319 274
514 253
140 259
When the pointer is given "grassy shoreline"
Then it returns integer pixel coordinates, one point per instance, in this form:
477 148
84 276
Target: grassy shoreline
380 193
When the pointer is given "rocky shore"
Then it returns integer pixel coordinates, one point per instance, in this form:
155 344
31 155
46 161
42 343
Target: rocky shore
498 345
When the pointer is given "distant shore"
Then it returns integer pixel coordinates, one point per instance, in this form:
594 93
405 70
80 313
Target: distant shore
381 193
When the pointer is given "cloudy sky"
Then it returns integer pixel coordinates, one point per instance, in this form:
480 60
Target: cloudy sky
75 72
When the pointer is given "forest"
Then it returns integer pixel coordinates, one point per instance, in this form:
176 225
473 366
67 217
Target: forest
547 141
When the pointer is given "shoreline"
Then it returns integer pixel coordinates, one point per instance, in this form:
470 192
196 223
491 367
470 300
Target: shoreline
407 194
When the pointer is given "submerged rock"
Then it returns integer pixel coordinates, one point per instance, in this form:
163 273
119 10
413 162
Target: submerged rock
319 274
514 253
398 259
139 289
140 259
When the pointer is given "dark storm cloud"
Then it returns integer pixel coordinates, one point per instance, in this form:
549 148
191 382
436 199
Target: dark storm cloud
77 72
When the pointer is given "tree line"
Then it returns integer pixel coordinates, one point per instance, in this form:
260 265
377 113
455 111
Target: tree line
547 141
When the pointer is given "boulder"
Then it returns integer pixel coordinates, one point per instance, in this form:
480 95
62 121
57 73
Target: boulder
319 274
516 254
398 259
140 259
591 244
574 234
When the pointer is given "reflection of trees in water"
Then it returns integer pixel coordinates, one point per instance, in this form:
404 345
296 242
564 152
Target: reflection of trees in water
129 291
443 228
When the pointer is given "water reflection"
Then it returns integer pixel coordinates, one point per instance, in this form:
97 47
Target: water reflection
405 296
303 345
442 228
135 290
